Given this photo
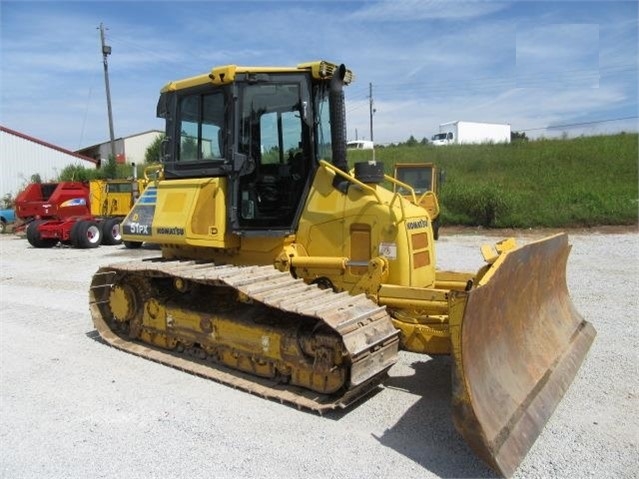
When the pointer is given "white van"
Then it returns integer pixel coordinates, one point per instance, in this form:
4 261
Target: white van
466 132
360 145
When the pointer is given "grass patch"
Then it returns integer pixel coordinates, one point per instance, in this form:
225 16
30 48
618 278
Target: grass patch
587 181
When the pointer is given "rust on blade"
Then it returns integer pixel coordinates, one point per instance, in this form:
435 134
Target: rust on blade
518 342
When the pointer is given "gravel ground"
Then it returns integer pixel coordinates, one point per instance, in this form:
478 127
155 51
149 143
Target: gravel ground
73 407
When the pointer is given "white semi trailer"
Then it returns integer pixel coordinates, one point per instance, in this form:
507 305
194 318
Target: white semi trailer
465 132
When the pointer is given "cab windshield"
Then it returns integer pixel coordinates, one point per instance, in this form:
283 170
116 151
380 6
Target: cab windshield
274 124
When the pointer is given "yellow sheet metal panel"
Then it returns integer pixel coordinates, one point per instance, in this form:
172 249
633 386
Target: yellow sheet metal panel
334 222
96 193
205 221
182 212
174 202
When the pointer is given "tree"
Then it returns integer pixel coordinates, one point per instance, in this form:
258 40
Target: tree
110 169
154 150
517 136
78 173
411 141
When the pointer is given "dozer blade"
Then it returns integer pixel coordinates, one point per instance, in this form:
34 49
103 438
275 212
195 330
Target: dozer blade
518 342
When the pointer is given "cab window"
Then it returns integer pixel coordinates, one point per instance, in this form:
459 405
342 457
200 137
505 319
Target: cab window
201 122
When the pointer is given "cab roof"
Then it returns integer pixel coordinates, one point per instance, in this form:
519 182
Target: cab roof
223 75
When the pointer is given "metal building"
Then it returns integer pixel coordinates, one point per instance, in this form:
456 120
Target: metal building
22 156
129 149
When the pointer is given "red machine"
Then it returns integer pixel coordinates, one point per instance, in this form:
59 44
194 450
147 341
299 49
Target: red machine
62 212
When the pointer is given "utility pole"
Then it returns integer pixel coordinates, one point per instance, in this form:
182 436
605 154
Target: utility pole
106 51
371 109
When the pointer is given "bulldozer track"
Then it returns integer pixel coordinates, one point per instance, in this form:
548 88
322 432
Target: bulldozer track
365 328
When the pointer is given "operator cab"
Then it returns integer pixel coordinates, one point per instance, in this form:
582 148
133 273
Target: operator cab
258 131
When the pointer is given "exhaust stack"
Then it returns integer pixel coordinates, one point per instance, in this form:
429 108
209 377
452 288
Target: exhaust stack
338 123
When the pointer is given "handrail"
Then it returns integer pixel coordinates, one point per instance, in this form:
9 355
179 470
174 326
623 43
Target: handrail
397 195
352 179
364 186
157 168
411 191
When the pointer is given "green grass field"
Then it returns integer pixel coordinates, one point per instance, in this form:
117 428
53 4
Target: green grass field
586 181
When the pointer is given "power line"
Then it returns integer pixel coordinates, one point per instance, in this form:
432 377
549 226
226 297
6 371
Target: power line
86 110
539 80
553 127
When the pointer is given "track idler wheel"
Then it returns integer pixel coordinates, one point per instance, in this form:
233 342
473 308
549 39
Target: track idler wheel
127 301
123 302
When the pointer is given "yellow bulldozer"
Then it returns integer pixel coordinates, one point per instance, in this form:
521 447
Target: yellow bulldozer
288 275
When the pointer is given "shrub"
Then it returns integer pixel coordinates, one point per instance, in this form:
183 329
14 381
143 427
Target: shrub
481 205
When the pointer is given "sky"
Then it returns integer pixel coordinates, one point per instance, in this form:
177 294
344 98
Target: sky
547 68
